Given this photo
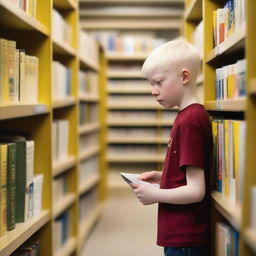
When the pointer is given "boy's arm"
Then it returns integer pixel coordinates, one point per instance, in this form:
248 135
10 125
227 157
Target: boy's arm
193 192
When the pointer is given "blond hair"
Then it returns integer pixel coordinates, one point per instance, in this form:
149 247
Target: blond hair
174 56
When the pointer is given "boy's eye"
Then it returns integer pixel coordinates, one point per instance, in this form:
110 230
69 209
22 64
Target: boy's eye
158 82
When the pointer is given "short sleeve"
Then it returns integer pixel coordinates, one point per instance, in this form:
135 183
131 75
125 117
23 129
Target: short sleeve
191 145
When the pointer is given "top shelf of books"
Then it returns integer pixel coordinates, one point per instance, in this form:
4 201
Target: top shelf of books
14 17
231 44
194 11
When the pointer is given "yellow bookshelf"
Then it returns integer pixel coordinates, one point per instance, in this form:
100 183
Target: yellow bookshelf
238 45
35 35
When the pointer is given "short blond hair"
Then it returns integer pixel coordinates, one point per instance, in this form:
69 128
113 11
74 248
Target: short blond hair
173 56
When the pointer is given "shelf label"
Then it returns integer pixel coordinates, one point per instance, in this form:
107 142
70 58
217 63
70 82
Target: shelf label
39 109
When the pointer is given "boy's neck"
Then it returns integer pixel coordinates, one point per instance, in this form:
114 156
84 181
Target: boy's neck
189 98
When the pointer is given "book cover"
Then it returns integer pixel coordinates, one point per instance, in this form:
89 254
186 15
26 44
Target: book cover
3 183
11 185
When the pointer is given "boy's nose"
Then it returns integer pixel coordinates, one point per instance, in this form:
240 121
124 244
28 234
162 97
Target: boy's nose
155 91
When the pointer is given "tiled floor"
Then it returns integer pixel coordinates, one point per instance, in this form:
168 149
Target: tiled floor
126 228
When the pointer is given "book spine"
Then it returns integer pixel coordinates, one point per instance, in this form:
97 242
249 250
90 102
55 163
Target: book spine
11 186
3 175
17 76
9 95
4 70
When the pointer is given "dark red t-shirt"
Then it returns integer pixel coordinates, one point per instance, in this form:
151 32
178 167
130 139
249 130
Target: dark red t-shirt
191 145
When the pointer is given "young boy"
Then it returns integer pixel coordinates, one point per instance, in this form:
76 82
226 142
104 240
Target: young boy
183 197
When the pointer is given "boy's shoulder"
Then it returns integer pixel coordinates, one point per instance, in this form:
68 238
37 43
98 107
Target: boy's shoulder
194 113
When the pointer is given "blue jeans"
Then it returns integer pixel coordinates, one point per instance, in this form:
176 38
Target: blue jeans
186 251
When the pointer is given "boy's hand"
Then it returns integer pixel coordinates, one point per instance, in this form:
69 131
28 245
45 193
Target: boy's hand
145 193
152 177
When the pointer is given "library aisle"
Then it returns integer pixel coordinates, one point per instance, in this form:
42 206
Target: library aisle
129 231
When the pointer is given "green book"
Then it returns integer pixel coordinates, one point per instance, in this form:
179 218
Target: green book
24 177
11 185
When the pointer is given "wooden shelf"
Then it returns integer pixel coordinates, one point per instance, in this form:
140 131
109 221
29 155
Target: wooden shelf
68 248
87 224
126 57
14 17
61 103
131 24
88 64
89 152
63 165
227 105
62 48
134 105
140 140
130 90
64 203
250 238
89 98
13 239
125 74
88 183
22 110
194 12
122 122
234 42
230 211
140 158
87 128
65 4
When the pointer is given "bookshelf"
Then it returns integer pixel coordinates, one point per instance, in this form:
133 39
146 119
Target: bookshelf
238 45
193 16
36 35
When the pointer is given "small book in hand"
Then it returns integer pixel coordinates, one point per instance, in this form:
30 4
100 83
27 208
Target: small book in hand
133 178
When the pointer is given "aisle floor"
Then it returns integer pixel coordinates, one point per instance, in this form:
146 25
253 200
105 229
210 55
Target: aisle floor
126 228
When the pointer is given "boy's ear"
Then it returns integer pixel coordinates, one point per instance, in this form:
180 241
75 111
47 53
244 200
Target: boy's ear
186 76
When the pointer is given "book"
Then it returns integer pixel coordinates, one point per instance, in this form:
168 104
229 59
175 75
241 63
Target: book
133 178
11 185
3 182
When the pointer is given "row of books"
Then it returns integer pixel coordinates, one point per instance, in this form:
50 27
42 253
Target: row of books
88 203
88 113
147 115
137 132
127 68
30 248
230 81
29 6
88 82
61 230
227 240
60 187
88 49
60 139
21 191
229 157
18 74
227 20
198 38
61 76
128 83
88 140
89 168
135 149
61 29
127 43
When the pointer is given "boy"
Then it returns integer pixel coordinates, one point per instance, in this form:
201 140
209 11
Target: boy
183 197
